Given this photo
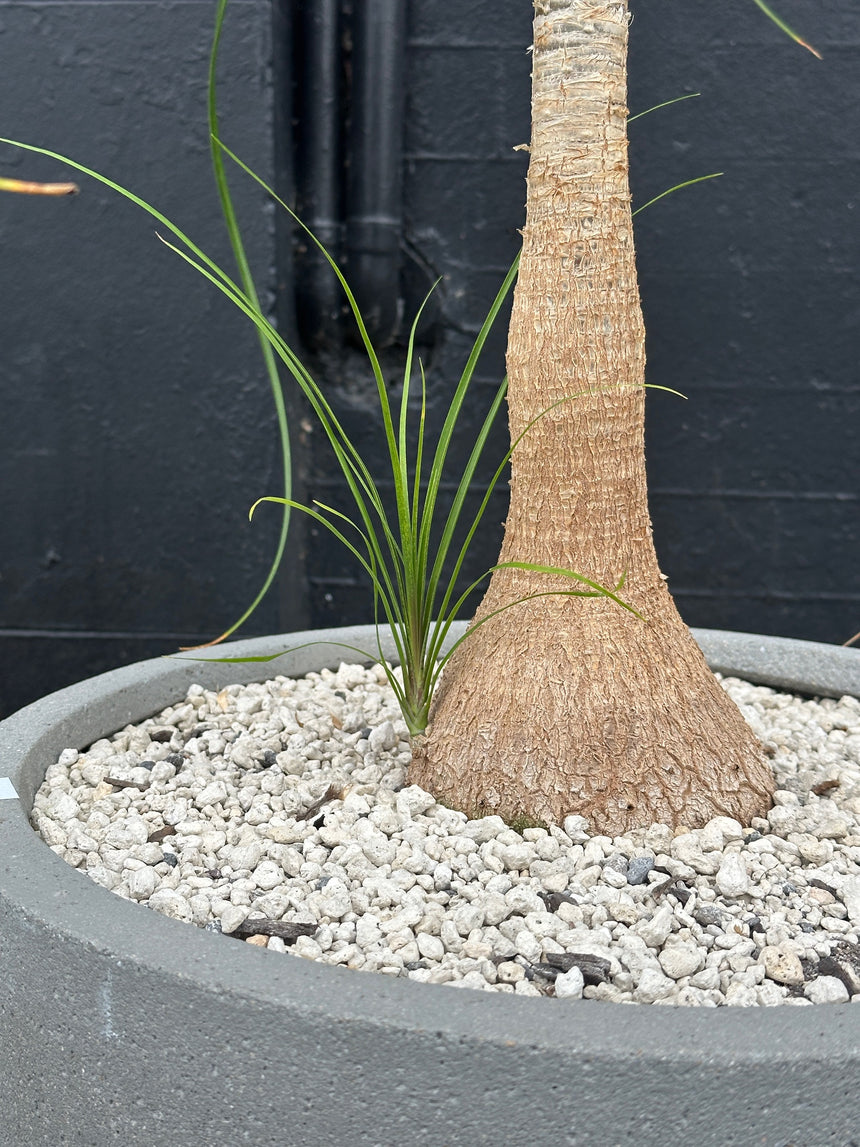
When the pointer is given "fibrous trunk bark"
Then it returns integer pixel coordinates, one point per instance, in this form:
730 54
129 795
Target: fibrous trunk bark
563 704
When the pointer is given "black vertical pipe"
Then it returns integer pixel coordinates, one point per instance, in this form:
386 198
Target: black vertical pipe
374 181
319 164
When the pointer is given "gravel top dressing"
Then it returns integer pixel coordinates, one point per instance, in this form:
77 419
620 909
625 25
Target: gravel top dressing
279 814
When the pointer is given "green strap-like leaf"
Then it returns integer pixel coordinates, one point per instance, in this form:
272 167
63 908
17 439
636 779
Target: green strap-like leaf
781 24
677 187
664 104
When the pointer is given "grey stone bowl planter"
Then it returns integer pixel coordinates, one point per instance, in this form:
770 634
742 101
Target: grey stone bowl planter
120 1026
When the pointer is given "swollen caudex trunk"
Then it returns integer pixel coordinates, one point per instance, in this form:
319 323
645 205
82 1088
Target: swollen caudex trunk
563 704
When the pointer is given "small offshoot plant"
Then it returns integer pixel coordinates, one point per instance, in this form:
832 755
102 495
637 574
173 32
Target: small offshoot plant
413 572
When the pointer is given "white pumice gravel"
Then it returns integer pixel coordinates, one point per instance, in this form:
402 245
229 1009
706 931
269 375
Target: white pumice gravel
280 813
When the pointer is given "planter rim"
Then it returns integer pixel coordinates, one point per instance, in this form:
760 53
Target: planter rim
39 889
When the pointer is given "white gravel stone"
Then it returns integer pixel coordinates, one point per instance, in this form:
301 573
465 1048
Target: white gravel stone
334 899
103 876
175 810
576 827
528 945
613 878
268 875
414 800
429 946
382 737
719 831
849 892
213 793
468 917
170 903
769 994
62 807
308 948
682 960
826 990
740 995
378 849
391 882
522 899
518 856
483 830
707 979
368 933
656 930
569 985
732 877
232 916
653 986
510 972
143 883
495 908
200 909
51 831
688 849
782 964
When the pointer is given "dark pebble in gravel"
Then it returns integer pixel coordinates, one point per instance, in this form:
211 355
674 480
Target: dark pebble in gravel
638 869
823 885
595 969
269 758
170 859
162 735
707 914
828 966
842 969
365 733
146 765
751 836
542 971
554 900
847 956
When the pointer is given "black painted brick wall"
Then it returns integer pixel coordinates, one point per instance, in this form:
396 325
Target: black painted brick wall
137 425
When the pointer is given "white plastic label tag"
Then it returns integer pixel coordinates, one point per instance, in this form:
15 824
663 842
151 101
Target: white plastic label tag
7 790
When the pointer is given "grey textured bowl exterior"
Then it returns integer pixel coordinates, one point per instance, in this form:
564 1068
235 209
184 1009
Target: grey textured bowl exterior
120 1026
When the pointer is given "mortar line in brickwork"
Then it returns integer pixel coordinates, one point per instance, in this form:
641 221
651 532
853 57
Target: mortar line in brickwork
459 157
764 595
756 495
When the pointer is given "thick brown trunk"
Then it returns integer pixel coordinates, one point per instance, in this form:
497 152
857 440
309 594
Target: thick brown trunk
564 704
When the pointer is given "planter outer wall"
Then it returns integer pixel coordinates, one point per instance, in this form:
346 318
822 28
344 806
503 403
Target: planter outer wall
118 1025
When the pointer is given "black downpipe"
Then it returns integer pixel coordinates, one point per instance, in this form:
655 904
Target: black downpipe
374 180
319 163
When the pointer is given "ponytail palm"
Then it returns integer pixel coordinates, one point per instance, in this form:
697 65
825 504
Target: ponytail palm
564 705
